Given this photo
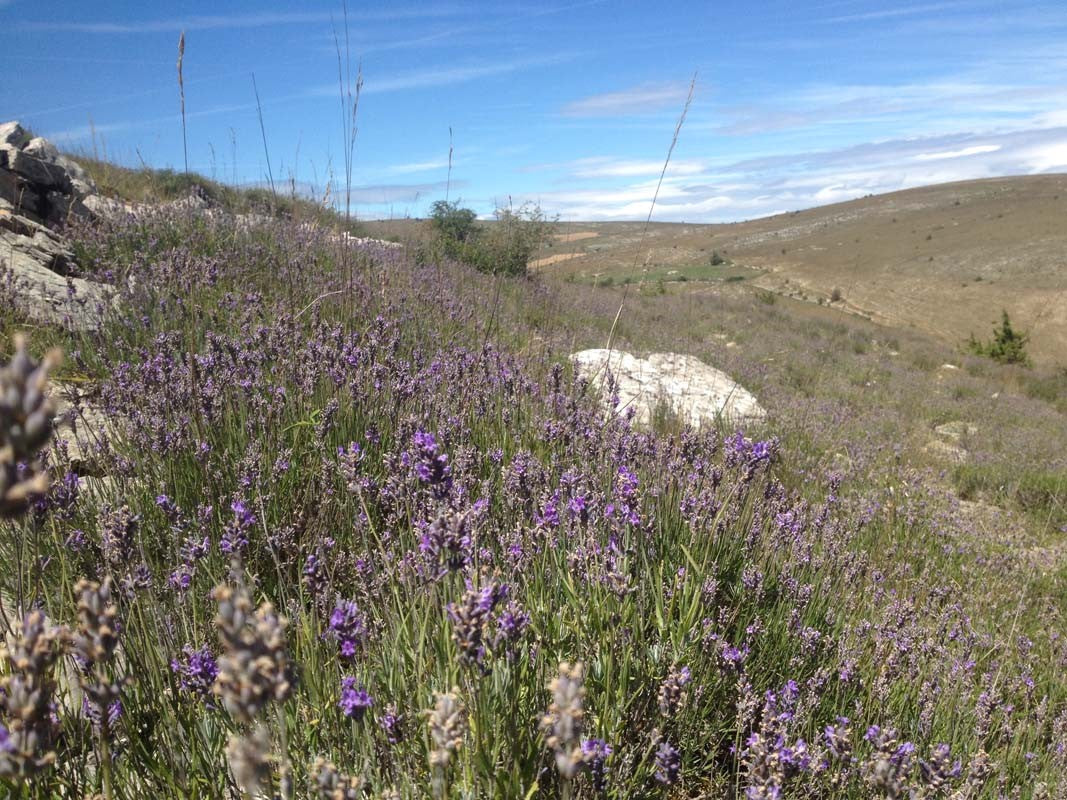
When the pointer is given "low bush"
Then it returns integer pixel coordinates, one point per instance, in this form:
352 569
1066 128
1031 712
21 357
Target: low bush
505 245
1007 345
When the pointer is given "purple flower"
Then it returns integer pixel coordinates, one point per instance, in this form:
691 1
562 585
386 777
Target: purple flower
447 541
98 719
392 724
838 738
431 466
235 535
348 627
469 618
672 691
349 458
75 541
595 753
354 702
196 671
511 624
549 516
668 764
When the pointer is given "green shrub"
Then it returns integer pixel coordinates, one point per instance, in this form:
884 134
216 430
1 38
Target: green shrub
452 223
504 246
1007 346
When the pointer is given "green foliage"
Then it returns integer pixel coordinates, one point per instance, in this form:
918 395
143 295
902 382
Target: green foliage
451 222
504 246
1007 345
716 259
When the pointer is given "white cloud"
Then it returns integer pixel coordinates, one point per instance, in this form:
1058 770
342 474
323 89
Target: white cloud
443 76
607 167
977 149
383 194
257 20
758 187
911 104
641 99
1047 157
892 13
417 166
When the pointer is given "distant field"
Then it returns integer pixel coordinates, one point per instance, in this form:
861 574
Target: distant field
943 260
682 273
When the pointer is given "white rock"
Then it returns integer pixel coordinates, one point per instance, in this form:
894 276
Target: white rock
13 134
946 450
698 394
956 430
42 149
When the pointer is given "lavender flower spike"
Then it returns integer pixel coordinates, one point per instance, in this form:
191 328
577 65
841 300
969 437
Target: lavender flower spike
565 719
254 668
25 427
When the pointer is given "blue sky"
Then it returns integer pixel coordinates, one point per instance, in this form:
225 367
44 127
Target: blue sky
570 104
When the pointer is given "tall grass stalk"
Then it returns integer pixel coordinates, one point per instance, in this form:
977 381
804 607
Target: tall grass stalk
181 95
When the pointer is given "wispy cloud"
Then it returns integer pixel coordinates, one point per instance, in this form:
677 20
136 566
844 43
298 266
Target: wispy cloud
444 76
233 21
851 104
86 131
977 149
642 99
895 13
385 193
758 187
415 167
606 167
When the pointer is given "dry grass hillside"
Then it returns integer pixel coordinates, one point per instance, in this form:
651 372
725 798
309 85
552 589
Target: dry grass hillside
942 259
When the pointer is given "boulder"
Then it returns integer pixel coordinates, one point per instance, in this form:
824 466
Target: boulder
32 262
946 451
83 427
697 393
11 133
38 172
41 188
41 148
955 431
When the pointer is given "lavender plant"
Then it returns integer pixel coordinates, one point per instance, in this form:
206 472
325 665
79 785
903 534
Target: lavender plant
427 508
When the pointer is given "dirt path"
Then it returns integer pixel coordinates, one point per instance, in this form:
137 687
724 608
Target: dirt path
548 260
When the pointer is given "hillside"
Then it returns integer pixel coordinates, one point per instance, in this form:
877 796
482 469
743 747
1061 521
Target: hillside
941 259
337 518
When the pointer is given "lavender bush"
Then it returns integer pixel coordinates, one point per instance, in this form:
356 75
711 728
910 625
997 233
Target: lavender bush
352 543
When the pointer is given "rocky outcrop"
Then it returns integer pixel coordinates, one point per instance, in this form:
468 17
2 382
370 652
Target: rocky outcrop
696 393
41 190
37 181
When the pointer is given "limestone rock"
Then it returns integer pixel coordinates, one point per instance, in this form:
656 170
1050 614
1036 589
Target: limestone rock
41 148
83 427
947 451
40 188
700 395
955 431
11 133
37 171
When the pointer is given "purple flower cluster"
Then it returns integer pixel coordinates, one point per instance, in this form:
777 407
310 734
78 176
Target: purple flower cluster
236 532
196 670
668 764
348 627
355 700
